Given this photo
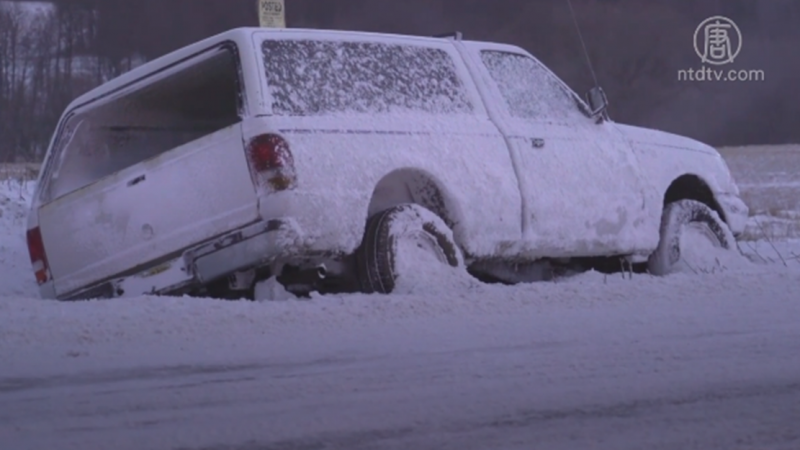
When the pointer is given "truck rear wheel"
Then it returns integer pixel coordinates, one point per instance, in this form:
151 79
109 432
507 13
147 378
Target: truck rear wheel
678 220
399 232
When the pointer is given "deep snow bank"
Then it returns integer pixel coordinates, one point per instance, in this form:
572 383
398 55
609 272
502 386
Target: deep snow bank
16 277
173 331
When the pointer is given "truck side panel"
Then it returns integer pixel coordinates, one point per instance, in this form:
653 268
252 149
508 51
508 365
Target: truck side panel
462 165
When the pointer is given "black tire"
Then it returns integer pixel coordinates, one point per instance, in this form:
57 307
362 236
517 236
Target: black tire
376 258
676 216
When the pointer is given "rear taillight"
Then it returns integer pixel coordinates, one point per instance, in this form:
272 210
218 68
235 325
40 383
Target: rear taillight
271 162
38 257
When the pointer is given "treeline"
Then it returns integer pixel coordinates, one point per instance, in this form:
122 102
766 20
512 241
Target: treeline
636 47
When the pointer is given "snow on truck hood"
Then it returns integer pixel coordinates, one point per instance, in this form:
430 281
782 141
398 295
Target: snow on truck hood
658 138
693 154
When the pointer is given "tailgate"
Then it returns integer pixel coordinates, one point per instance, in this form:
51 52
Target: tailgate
148 211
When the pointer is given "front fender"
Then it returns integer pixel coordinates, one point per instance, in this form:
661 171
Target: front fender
735 210
664 157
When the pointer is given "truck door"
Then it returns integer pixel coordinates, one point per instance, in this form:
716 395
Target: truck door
581 186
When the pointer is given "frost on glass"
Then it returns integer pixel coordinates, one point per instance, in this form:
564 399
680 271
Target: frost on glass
308 78
529 89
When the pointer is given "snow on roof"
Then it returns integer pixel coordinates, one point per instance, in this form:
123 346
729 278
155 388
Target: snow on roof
241 36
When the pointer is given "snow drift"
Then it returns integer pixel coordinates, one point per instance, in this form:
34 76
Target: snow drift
16 276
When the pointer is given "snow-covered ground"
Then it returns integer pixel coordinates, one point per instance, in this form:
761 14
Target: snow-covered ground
690 362
704 359
769 178
16 277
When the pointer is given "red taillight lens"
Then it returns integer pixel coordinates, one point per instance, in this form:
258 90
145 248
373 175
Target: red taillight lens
271 162
269 152
38 256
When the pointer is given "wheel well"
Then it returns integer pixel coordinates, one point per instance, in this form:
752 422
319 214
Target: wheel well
414 186
692 187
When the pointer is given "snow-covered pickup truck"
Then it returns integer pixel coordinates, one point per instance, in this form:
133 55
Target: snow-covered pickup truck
315 157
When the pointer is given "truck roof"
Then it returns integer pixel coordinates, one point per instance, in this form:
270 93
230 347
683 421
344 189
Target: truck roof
241 36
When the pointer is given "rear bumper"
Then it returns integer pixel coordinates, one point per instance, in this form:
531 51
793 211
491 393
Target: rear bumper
251 246
736 212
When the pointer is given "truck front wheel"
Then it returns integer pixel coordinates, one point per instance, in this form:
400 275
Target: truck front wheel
683 222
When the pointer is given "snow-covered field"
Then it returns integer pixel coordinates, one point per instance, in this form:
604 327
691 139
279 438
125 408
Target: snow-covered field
704 359
769 178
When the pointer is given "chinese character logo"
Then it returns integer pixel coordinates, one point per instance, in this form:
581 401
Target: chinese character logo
717 40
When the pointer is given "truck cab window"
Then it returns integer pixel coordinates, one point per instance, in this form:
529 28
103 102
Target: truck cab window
529 89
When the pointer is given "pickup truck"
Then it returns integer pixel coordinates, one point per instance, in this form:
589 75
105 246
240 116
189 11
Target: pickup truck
315 157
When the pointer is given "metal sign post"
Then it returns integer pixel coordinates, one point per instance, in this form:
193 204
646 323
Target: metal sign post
271 13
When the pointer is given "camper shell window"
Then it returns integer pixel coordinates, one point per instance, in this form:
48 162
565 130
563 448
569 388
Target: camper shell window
318 78
168 110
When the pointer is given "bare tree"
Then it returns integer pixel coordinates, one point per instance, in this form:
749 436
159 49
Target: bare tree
636 48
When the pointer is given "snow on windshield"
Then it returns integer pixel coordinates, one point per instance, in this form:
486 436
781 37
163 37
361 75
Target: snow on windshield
529 89
327 77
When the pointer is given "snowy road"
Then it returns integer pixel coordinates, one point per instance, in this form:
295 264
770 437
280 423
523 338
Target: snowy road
601 363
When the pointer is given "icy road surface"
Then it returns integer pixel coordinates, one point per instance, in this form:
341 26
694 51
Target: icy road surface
691 362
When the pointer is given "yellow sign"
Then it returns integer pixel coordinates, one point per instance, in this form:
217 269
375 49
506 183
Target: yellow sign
272 13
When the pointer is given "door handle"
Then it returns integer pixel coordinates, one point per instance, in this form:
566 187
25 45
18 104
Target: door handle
136 180
537 142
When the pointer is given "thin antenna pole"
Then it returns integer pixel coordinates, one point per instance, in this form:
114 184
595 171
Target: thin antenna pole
583 43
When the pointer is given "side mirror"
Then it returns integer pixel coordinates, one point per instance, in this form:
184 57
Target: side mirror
598 102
